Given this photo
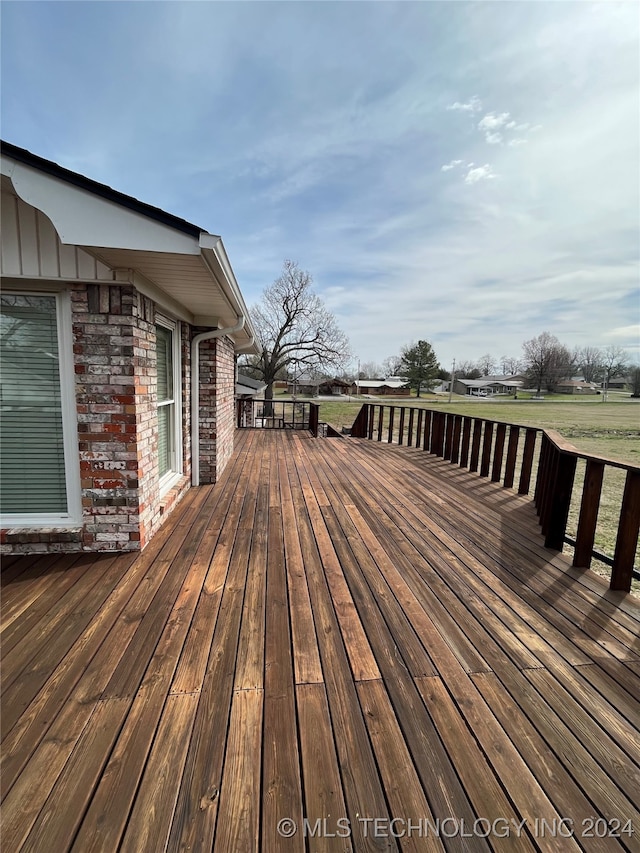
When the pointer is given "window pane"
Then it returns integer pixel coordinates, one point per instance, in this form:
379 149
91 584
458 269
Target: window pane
165 439
32 458
165 363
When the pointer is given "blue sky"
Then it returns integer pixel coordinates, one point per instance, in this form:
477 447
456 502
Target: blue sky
467 173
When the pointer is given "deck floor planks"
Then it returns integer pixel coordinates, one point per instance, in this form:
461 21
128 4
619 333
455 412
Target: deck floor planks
363 792
424 743
192 726
440 527
323 796
528 789
119 782
281 776
510 555
520 537
198 797
56 744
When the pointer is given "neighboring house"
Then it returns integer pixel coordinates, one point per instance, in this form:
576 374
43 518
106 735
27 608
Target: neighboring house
382 387
305 385
120 326
334 387
621 383
247 390
576 386
489 386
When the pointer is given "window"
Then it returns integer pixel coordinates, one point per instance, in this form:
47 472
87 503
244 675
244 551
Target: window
39 461
169 409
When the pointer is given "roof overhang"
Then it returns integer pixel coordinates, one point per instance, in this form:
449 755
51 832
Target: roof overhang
140 243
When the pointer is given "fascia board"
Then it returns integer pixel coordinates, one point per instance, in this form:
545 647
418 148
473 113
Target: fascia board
84 219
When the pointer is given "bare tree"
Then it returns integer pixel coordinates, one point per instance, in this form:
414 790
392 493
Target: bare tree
465 368
294 329
615 362
510 366
371 370
486 364
589 360
547 361
391 365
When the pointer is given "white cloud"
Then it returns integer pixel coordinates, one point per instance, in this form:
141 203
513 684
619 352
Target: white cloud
480 173
518 140
493 138
451 165
492 121
474 105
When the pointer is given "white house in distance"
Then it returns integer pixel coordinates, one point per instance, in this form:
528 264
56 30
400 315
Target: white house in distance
120 327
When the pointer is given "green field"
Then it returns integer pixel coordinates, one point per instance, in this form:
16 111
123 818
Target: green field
609 429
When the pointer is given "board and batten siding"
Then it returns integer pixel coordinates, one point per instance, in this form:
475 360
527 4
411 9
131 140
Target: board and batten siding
31 248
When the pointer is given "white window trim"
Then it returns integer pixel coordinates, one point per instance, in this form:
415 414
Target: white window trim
166 482
73 516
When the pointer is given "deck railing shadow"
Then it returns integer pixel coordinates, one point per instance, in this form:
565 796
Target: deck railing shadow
535 462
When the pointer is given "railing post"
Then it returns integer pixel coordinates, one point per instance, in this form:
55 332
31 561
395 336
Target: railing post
560 500
313 419
475 446
466 440
512 453
498 450
380 420
448 437
455 448
392 412
372 415
589 506
412 412
486 448
401 426
437 441
426 432
527 461
627 539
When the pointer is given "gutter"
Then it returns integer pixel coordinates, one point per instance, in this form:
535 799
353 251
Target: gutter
195 391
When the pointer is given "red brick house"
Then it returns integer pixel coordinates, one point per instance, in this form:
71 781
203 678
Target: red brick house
120 327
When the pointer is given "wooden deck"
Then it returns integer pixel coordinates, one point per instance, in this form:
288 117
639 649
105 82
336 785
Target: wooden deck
337 632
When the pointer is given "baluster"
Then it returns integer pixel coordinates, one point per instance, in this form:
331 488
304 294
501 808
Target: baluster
589 506
627 539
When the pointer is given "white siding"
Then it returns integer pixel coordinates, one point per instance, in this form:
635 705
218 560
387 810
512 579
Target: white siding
31 247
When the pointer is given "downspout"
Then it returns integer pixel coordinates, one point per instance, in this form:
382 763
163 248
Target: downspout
195 391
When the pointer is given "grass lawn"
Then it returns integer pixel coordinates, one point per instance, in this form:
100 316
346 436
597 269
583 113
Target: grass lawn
609 429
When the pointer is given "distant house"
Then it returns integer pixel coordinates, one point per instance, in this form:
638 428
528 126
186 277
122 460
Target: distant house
489 386
334 387
248 388
382 387
120 327
619 383
576 386
305 385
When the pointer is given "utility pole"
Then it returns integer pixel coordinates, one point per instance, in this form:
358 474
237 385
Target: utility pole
453 379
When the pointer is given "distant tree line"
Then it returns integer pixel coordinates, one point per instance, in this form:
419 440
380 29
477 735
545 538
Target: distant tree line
296 332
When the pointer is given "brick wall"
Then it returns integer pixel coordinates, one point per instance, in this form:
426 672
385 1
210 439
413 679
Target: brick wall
217 407
115 364
114 347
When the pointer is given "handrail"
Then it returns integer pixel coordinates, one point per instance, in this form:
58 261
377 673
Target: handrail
277 414
495 449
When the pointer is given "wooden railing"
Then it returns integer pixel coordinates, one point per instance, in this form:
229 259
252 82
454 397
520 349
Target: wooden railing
515 454
277 414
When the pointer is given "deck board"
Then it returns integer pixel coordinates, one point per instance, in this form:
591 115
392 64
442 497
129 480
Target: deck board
338 631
